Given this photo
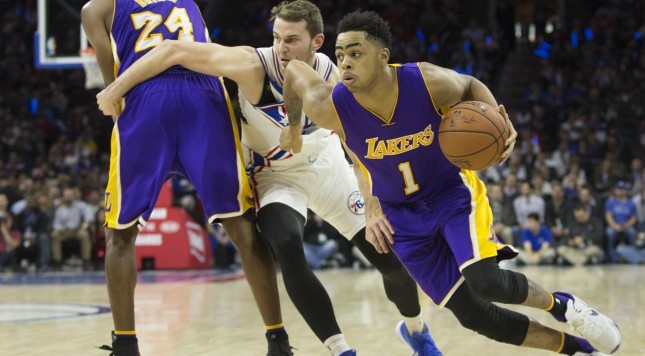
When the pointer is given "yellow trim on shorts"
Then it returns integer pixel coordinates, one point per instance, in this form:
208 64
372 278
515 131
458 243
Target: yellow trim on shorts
480 220
113 192
244 195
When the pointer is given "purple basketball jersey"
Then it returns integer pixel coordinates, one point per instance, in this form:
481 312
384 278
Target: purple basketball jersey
401 154
140 25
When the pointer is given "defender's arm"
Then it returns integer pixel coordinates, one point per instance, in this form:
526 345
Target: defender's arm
236 63
304 88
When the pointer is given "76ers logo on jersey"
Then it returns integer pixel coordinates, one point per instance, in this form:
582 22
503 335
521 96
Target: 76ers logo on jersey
355 203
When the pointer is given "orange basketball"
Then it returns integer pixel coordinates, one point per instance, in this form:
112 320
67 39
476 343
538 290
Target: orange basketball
472 135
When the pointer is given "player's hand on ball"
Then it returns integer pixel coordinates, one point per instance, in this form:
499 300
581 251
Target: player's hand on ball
378 230
109 103
291 139
510 142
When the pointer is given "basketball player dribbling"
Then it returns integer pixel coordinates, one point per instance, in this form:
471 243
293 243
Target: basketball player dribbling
286 185
178 122
435 217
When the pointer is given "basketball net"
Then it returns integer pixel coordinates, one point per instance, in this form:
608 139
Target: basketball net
93 76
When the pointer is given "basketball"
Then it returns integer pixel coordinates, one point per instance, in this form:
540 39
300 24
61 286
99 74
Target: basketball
472 135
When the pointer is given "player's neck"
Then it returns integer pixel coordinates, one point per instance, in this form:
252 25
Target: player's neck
381 95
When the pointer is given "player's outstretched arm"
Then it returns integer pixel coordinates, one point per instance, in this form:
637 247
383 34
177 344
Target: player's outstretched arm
448 87
305 89
240 64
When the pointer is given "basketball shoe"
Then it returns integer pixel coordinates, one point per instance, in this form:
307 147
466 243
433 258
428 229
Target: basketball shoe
421 343
601 332
351 352
122 346
587 349
279 344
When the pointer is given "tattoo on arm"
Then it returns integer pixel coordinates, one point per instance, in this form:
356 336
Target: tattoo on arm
293 106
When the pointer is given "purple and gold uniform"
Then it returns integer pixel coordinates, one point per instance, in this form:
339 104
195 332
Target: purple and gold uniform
178 122
440 214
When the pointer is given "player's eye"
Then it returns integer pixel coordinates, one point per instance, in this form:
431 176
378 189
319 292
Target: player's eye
339 57
356 54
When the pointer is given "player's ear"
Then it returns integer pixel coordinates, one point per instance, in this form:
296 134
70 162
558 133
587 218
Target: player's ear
384 56
317 41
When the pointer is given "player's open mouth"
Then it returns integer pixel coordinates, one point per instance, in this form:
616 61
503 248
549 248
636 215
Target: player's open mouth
348 79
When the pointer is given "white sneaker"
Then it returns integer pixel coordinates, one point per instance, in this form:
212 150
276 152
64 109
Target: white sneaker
601 332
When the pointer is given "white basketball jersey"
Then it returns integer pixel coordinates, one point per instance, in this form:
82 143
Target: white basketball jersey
262 123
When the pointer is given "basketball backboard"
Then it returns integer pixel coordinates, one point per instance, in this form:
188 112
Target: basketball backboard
60 36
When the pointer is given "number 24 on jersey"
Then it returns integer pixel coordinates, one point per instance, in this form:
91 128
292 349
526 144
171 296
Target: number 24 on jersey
177 20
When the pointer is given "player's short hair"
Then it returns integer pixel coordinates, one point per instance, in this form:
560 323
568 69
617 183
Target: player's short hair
370 22
298 10
534 216
579 206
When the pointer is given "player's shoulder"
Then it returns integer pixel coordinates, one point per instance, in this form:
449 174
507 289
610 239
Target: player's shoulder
95 9
432 71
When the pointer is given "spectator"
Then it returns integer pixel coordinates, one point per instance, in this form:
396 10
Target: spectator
587 199
541 187
7 188
605 177
69 223
510 187
528 202
633 251
9 237
319 241
503 214
639 202
556 214
537 243
32 222
100 239
582 243
636 176
620 215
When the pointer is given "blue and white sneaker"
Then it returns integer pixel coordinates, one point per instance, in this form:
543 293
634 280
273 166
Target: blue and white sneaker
351 352
600 330
421 343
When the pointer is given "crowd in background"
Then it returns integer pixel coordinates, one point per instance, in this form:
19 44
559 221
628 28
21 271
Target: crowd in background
573 192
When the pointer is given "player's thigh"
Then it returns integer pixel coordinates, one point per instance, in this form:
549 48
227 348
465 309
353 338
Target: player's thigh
142 153
420 247
336 197
468 222
286 187
209 154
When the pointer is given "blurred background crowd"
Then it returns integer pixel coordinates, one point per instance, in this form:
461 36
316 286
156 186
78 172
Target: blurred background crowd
570 73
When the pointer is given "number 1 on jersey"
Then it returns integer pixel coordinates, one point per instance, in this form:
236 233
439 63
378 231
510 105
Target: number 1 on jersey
410 185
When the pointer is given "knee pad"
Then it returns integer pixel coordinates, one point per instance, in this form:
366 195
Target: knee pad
485 318
489 281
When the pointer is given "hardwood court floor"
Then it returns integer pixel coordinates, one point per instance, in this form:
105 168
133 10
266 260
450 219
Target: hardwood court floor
187 313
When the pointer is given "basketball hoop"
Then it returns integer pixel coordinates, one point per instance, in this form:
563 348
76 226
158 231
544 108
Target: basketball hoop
93 76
